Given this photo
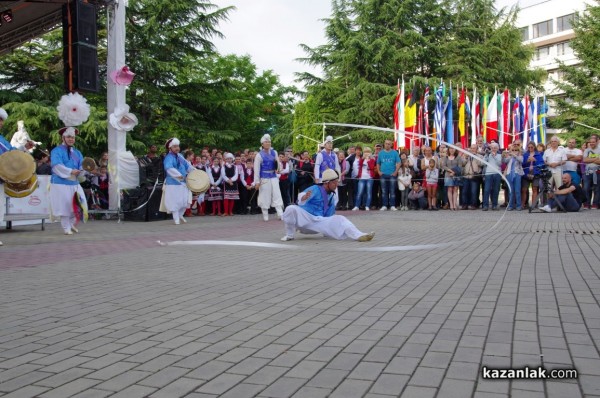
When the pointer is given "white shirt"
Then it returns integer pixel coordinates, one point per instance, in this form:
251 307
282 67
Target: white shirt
572 166
558 156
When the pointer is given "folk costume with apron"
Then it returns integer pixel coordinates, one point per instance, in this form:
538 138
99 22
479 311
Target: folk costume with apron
64 185
229 172
215 193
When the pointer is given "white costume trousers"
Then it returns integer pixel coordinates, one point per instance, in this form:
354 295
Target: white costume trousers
336 227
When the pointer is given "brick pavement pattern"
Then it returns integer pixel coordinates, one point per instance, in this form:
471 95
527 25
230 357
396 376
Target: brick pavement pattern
110 313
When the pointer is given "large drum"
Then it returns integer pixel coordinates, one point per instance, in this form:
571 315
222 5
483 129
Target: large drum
197 181
17 169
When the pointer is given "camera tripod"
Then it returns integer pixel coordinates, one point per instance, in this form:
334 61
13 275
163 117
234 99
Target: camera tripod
546 187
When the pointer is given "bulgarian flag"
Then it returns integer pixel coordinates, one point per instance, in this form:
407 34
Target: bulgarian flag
492 119
462 128
410 116
399 136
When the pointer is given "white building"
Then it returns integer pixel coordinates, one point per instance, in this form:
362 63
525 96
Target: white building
547 25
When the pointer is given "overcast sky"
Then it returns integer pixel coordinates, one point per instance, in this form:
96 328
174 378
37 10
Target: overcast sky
270 31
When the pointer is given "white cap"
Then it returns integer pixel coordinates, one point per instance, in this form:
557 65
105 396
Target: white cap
3 114
265 137
329 139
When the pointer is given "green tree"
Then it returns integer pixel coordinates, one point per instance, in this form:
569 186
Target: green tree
372 43
580 87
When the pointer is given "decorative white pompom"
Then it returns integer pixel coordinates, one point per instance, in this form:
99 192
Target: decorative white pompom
73 109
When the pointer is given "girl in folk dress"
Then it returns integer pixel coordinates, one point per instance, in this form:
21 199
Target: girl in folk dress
215 193
229 175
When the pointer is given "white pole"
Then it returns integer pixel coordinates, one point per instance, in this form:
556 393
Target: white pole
115 95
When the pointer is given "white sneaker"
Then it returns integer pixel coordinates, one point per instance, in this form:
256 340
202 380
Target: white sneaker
383 208
367 209
266 217
0 243
74 230
546 208
393 208
69 232
355 209
177 222
367 237
287 238
183 219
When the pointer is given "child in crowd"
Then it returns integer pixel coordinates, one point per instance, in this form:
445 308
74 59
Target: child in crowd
431 176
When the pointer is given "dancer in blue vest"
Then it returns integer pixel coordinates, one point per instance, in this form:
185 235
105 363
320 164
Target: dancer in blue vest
326 159
266 180
177 194
315 213
66 168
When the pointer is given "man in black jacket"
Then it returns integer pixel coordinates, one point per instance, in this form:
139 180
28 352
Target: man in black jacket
351 175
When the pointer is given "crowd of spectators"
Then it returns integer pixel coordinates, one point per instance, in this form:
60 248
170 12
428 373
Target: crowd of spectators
380 178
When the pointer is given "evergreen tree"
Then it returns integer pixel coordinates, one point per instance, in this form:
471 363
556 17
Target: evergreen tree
372 43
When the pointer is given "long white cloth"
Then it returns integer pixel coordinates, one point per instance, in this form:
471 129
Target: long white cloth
336 227
61 199
177 197
269 194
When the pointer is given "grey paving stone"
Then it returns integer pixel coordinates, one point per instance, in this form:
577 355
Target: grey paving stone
351 388
283 387
389 384
221 383
427 377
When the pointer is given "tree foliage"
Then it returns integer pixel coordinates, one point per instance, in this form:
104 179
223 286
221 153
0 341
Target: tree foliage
580 86
372 43
183 87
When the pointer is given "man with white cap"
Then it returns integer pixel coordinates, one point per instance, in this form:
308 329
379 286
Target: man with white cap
326 159
66 167
177 194
315 213
265 178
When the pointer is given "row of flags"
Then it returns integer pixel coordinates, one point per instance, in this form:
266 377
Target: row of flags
500 117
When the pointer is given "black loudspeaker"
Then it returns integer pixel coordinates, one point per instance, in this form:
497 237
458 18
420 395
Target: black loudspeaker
153 213
133 198
83 21
80 55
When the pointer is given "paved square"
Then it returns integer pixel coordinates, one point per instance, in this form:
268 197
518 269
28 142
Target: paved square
111 313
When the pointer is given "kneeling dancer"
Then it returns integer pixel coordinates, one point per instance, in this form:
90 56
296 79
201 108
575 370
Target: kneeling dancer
315 213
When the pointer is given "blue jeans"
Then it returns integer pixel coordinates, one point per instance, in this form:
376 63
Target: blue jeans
515 190
388 190
470 190
364 187
492 188
567 201
590 188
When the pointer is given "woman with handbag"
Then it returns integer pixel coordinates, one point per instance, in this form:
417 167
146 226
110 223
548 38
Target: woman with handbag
513 158
533 161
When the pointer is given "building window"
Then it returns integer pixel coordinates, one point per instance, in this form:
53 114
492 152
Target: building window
541 53
565 22
542 29
564 48
524 33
